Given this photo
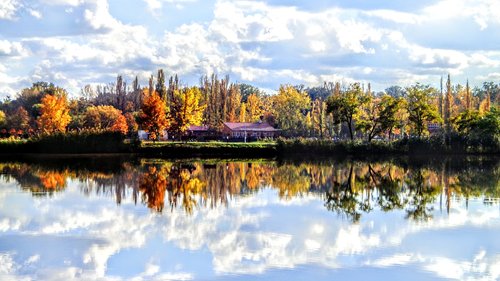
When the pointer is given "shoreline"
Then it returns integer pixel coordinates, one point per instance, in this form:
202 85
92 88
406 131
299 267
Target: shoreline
238 150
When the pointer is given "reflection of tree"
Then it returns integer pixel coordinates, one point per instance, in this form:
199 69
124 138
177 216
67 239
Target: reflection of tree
38 181
291 181
152 185
389 189
348 188
420 196
342 197
52 179
182 187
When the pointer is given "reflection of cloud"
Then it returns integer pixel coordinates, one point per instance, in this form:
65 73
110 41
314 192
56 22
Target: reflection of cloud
253 235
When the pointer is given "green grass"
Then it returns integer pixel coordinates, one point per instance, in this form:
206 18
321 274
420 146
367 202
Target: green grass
88 142
209 149
211 144
68 143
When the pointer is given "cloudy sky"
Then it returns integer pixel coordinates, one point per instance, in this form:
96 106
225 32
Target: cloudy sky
265 43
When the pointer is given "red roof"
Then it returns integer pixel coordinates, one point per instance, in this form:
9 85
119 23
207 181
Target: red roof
198 128
259 126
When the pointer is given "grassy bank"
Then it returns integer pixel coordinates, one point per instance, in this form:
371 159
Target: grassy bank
95 143
431 146
69 143
208 149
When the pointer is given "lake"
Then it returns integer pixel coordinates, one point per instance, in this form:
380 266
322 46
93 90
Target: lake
116 218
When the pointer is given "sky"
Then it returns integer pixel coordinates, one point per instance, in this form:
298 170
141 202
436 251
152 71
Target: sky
73 43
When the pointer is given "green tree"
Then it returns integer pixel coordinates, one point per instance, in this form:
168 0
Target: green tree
161 87
383 117
346 107
420 108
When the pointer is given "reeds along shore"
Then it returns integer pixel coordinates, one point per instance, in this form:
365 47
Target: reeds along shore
110 142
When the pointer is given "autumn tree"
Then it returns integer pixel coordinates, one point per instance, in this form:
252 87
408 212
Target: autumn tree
243 112
254 108
468 97
318 116
448 105
185 110
383 116
153 117
346 107
54 114
485 104
233 104
289 108
3 120
419 108
131 118
18 120
214 96
107 118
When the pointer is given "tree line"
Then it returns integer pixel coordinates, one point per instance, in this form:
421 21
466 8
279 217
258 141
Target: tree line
334 110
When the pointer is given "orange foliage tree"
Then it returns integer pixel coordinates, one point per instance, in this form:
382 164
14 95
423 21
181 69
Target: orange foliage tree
153 117
107 118
54 115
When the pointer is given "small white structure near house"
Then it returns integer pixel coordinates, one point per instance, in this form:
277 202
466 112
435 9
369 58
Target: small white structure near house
143 135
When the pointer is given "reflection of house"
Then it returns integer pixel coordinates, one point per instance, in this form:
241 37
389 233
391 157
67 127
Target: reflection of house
249 130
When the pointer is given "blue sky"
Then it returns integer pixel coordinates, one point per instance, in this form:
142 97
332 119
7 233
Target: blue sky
77 42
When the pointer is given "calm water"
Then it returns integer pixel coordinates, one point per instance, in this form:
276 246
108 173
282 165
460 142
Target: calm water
144 219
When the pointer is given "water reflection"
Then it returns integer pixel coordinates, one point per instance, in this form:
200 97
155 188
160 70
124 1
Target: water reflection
349 188
148 219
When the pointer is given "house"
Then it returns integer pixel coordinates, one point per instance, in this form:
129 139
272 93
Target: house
143 135
246 131
200 132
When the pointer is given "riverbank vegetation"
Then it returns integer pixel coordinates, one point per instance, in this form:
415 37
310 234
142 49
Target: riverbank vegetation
333 118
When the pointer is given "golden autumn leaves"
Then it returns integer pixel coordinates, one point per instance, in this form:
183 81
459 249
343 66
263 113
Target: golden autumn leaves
182 110
54 115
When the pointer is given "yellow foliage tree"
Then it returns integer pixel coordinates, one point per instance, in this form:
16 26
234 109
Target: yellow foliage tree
54 115
253 108
185 110
289 106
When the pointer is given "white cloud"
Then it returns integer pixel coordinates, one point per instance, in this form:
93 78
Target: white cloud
12 49
253 41
155 5
395 16
8 9
35 14
482 12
